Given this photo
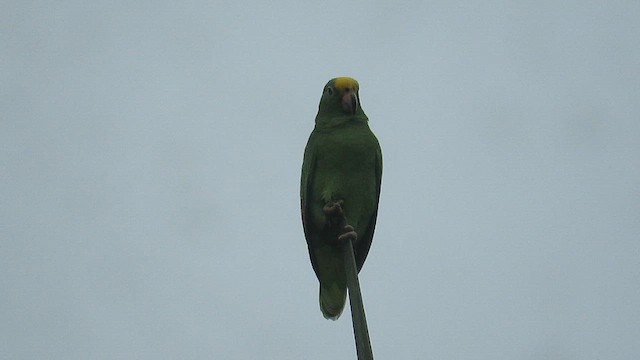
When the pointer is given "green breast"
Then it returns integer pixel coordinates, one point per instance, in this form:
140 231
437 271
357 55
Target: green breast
345 170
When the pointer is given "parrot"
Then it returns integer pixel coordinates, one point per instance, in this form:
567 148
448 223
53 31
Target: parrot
341 179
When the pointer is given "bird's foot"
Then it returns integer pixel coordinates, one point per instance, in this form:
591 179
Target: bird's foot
348 234
334 209
335 217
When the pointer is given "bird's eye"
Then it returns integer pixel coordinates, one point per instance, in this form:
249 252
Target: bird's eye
329 90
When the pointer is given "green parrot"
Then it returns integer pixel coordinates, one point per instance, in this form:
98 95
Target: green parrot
341 177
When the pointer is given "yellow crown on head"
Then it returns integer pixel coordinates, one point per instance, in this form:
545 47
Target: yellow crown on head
343 83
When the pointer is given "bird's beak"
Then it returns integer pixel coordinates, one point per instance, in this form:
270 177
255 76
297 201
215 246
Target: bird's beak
350 102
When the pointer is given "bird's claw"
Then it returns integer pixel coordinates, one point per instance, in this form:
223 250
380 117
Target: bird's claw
334 209
348 234
335 216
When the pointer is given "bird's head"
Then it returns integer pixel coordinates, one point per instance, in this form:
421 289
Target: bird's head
340 98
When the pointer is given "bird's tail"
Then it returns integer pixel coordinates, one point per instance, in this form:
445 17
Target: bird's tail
332 300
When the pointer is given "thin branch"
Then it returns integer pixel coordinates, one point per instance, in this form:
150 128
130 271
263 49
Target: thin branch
360 330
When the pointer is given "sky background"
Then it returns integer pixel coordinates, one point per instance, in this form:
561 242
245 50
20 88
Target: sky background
150 162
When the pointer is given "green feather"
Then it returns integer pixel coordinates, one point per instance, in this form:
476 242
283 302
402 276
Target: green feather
342 161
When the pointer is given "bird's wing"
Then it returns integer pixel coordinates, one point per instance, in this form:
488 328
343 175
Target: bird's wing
364 244
308 168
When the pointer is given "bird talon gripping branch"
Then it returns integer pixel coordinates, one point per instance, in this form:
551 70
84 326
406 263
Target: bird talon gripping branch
348 234
334 208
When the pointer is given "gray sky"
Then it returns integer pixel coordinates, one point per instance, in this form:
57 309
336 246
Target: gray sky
150 167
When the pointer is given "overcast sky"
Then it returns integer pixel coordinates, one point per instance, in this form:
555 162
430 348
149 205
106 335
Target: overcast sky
150 162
